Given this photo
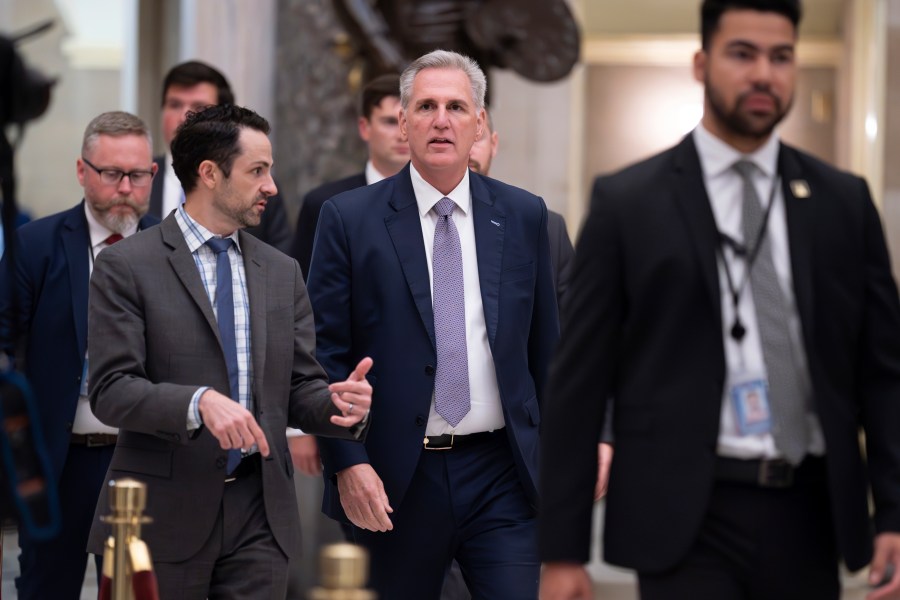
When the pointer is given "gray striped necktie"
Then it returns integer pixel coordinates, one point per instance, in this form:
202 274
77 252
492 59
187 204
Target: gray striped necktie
786 398
451 381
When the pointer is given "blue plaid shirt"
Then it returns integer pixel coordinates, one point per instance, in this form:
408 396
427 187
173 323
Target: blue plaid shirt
195 235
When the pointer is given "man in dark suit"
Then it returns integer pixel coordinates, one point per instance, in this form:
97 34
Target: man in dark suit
202 353
379 128
733 295
449 466
192 86
54 258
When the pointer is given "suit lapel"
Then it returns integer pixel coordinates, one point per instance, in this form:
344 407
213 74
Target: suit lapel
694 206
405 229
490 226
800 216
256 279
75 240
185 268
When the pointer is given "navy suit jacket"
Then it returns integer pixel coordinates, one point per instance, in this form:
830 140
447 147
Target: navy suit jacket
305 232
273 228
371 296
51 281
643 325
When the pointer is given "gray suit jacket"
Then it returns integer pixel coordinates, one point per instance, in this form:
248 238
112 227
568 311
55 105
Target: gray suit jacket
153 341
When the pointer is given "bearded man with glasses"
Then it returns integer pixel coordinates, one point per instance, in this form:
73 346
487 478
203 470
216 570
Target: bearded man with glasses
46 329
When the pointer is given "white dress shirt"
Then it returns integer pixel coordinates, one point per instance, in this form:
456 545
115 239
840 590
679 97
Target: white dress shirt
85 421
486 412
173 194
724 187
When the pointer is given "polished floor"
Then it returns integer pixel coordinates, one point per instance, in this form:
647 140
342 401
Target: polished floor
612 584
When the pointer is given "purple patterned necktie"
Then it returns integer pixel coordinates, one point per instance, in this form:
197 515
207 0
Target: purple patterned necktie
451 381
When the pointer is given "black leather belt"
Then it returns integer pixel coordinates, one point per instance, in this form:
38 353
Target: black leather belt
773 473
448 441
248 466
93 440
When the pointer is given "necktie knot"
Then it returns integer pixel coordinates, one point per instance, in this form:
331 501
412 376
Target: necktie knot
745 169
113 238
444 207
219 245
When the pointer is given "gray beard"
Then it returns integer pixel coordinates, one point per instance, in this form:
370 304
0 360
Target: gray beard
119 223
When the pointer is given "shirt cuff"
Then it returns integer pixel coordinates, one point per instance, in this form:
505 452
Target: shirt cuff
193 417
292 433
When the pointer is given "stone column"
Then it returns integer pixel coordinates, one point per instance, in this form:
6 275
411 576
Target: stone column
316 137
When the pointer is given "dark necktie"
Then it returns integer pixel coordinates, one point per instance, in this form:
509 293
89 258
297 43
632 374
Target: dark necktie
113 238
451 381
225 321
786 398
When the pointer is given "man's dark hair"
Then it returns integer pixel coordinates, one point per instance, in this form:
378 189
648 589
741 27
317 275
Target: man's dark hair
189 74
377 90
211 134
712 10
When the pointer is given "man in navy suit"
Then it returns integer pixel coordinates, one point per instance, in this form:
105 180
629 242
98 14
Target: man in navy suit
733 296
443 276
54 259
192 86
379 128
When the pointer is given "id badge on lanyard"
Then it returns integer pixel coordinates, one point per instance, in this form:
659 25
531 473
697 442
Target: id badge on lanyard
749 396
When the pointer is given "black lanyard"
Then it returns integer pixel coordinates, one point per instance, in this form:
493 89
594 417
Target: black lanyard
749 255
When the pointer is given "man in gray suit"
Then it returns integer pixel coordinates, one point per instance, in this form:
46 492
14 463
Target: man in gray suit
202 352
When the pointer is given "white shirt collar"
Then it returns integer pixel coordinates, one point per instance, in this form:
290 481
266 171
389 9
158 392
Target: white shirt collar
427 195
373 175
98 231
717 157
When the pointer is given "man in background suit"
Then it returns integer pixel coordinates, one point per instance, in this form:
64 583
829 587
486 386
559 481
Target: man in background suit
202 353
460 371
379 128
54 259
729 274
192 86
561 254
561 251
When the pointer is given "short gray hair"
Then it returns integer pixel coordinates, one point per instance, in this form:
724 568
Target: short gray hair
444 59
115 123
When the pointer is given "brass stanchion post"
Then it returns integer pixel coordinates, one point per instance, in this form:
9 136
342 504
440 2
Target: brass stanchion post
127 500
343 571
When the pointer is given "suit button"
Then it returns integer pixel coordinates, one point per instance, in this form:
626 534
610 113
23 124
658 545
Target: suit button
69 427
78 379
220 462
429 369
420 420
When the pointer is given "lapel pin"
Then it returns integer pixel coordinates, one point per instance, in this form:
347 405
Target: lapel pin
800 188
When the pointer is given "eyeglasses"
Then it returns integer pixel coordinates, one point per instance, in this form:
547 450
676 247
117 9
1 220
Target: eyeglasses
114 176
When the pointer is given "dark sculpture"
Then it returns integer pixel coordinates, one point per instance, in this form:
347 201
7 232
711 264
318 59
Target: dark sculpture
537 39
